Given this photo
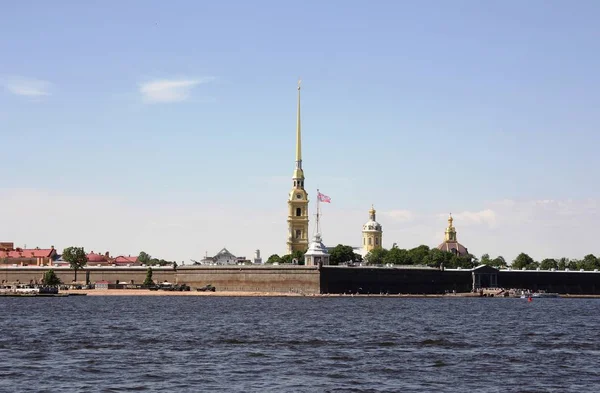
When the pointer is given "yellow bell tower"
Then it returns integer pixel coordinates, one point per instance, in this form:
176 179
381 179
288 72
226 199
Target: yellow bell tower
298 199
372 233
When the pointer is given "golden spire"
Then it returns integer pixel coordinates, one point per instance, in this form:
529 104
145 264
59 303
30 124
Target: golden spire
298 173
450 219
299 131
372 213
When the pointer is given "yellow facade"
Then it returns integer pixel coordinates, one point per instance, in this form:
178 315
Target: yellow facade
372 233
297 239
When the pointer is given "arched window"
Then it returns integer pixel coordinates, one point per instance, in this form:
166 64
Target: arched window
370 241
298 212
376 241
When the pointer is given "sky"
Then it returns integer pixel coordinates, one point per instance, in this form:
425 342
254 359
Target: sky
169 127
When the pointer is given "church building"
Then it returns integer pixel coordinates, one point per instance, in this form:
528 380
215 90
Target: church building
450 243
372 233
298 199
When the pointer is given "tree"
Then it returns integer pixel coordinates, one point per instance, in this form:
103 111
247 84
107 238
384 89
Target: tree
436 258
418 255
397 256
148 281
50 278
298 256
522 261
562 263
273 259
590 262
144 258
499 261
376 256
341 254
357 258
548 264
76 258
486 260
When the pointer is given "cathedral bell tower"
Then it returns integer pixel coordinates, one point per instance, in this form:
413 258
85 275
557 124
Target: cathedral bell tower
298 199
372 233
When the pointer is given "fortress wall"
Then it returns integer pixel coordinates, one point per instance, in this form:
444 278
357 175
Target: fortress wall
67 275
302 279
587 283
367 280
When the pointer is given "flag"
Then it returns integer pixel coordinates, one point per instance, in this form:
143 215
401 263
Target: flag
323 197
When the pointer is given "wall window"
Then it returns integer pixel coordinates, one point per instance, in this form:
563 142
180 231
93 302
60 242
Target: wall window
370 241
364 241
298 233
376 241
298 212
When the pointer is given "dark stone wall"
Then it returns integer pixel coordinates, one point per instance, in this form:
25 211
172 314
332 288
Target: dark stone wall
583 283
367 280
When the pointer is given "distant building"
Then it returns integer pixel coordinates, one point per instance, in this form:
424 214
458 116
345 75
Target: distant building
223 257
257 258
450 243
372 233
105 259
316 254
26 256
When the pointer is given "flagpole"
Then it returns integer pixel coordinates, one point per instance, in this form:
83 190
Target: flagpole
318 212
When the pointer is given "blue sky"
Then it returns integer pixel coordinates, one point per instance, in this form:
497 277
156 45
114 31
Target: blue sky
169 126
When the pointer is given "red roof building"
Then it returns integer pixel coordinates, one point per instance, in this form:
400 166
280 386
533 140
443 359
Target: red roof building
28 256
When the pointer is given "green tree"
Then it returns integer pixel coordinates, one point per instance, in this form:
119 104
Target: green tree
50 278
573 264
287 258
376 256
498 262
397 256
562 263
436 258
357 258
419 255
298 256
144 258
486 260
273 259
590 262
341 254
76 258
148 281
522 261
549 263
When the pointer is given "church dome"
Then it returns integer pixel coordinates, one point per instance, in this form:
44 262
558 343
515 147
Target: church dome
372 224
450 243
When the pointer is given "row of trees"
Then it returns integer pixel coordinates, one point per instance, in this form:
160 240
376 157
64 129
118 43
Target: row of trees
425 256
589 262
146 259
421 255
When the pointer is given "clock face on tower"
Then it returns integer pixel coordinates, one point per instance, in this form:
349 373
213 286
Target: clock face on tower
298 196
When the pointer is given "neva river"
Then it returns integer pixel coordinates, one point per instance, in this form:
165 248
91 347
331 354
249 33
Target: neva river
194 344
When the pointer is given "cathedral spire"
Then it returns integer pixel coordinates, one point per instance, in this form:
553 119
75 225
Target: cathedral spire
298 172
299 133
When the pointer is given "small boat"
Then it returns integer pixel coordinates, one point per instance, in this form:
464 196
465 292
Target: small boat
539 295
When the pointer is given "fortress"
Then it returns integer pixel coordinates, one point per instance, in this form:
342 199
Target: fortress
316 277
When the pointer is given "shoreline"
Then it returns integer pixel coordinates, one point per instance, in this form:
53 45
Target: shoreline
146 292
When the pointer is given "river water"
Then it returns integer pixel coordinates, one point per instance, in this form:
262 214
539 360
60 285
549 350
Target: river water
231 344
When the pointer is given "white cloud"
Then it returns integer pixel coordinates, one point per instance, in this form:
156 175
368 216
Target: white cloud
27 87
170 90
399 215
487 216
